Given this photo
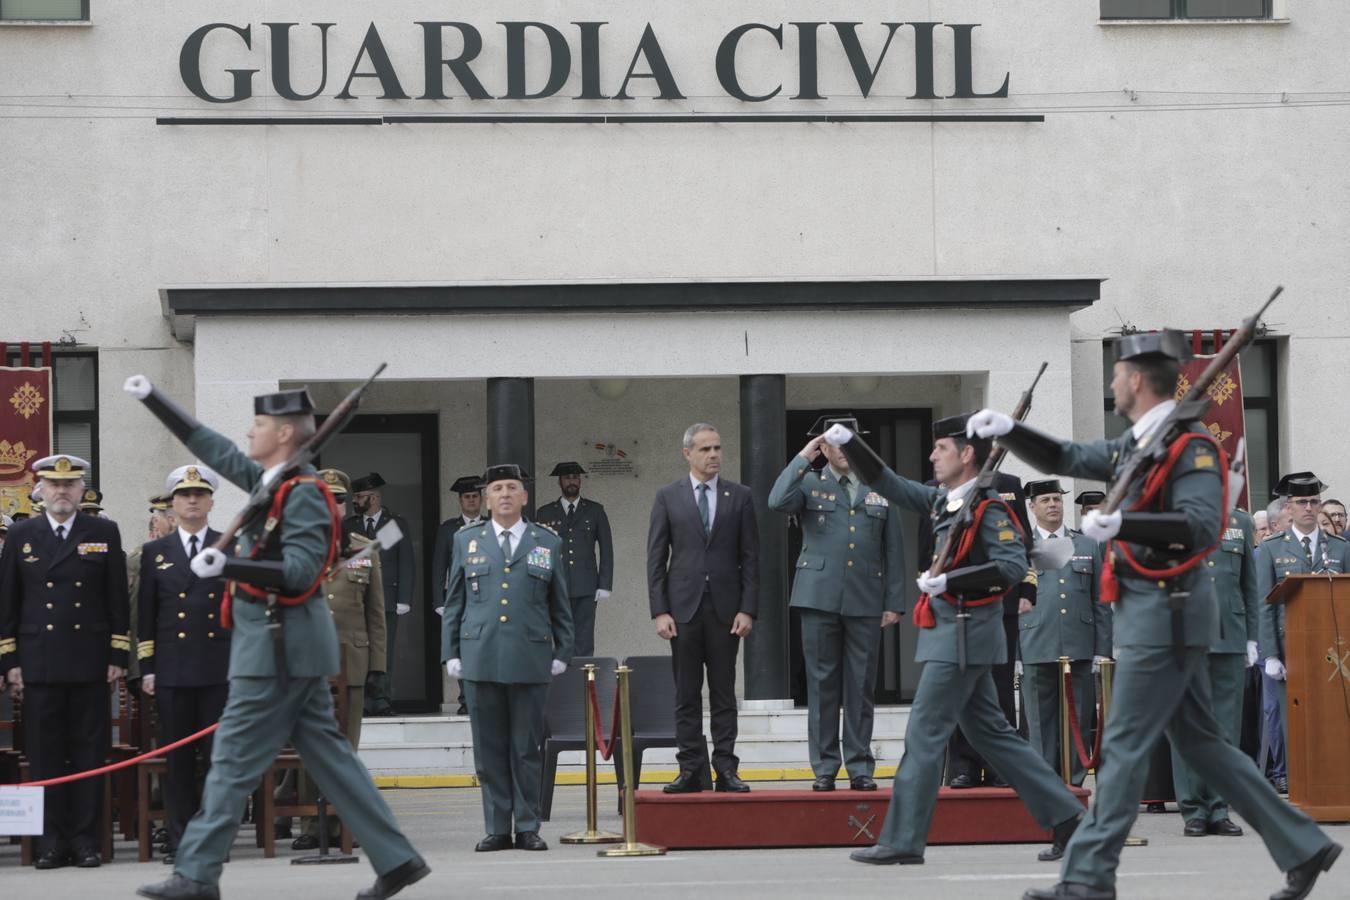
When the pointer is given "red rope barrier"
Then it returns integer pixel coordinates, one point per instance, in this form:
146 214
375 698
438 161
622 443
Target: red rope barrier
606 747
159 751
1084 760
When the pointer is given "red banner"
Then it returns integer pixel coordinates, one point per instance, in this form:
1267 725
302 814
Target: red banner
1224 417
25 432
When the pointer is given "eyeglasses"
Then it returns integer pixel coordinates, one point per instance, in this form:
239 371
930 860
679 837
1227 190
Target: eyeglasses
1340 516
1306 501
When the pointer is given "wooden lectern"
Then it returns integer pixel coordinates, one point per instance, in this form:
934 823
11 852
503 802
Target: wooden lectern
1317 657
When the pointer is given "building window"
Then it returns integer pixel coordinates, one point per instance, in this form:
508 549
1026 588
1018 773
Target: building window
45 10
75 411
1186 9
1259 407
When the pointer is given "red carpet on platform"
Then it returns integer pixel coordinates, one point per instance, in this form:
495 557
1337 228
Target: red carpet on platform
840 818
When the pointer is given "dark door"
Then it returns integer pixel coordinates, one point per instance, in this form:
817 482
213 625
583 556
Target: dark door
903 438
404 449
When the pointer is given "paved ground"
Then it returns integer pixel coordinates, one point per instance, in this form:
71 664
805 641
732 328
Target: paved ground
444 825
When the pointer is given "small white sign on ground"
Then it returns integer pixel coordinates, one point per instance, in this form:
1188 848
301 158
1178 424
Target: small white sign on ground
21 810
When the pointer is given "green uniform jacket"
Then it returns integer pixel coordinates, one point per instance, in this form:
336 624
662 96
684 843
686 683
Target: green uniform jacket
986 642
310 636
853 557
1282 554
507 620
355 597
1141 617
1232 569
590 528
1067 620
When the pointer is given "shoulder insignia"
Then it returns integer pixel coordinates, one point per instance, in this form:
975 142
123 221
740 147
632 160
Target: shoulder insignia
1007 535
1204 460
1002 523
1337 537
1008 495
546 528
1274 537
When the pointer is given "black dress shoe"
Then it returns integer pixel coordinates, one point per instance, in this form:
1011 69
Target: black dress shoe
87 858
881 855
684 783
1195 829
494 842
180 888
1299 880
1070 890
730 783
1282 785
305 842
168 857
823 783
1225 828
962 781
391 882
1156 808
862 783
1060 839
530 840
52 859
463 709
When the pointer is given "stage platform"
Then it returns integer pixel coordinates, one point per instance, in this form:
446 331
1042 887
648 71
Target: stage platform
840 818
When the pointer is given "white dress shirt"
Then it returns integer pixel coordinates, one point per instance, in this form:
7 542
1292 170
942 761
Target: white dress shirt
712 496
184 535
55 524
1315 535
517 532
1151 419
1043 535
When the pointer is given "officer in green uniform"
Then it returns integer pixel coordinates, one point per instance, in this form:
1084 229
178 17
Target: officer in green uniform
1164 622
507 630
584 528
281 654
848 585
355 597
1067 621
1232 570
949 692
1300 549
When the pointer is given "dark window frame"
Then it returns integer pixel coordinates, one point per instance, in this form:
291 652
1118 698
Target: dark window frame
68 417
1180 9
84 15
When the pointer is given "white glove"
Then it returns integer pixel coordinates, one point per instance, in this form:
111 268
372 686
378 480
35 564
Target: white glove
1101 527
137 386
838 435
601 594
1275 669
933 585
1017 668
148 684
453 667
1252 655
440 611
1097 662
988 424
558 667
402 609
210 563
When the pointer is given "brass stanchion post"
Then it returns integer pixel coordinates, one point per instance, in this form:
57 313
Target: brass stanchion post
630 846
1065 732
592 834
1108 678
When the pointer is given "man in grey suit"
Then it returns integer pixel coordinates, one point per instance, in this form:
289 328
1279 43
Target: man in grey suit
703 589
848 585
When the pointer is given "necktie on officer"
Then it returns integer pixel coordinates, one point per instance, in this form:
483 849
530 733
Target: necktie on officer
571 517
847 484
61 533
370 527
506 546
703 510
192 547
1307 548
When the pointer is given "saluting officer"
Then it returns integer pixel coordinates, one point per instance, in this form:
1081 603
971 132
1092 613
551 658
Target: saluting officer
848 585
1164 621
507 630
399 573
1232 570
952 689
1300 549
182 646
1067 621
584 529
64 638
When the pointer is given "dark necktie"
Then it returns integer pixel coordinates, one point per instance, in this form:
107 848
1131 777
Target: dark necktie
1307 548
192 547
571 518
847 484
506 546
61 533
370 527
703 510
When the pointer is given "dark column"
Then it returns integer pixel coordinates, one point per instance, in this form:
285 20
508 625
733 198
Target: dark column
510 426
763 455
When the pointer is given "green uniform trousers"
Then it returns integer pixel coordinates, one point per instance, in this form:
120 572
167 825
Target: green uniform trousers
945 698
1150 698
260 717
841 669
583 625
508 729
308 791
1040 698
1197 800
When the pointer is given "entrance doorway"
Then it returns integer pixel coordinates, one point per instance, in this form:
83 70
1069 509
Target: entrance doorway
903 439
404 449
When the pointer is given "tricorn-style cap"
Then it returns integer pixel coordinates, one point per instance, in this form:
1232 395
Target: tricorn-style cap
822 425
567 468
505 472
1048 486
952 426
91 500
1090 498
338 481
1299 484
283 403
1168 343
468 484
61 467
367 483
192 477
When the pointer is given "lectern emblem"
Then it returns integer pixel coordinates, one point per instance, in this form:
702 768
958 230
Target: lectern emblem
1340 662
